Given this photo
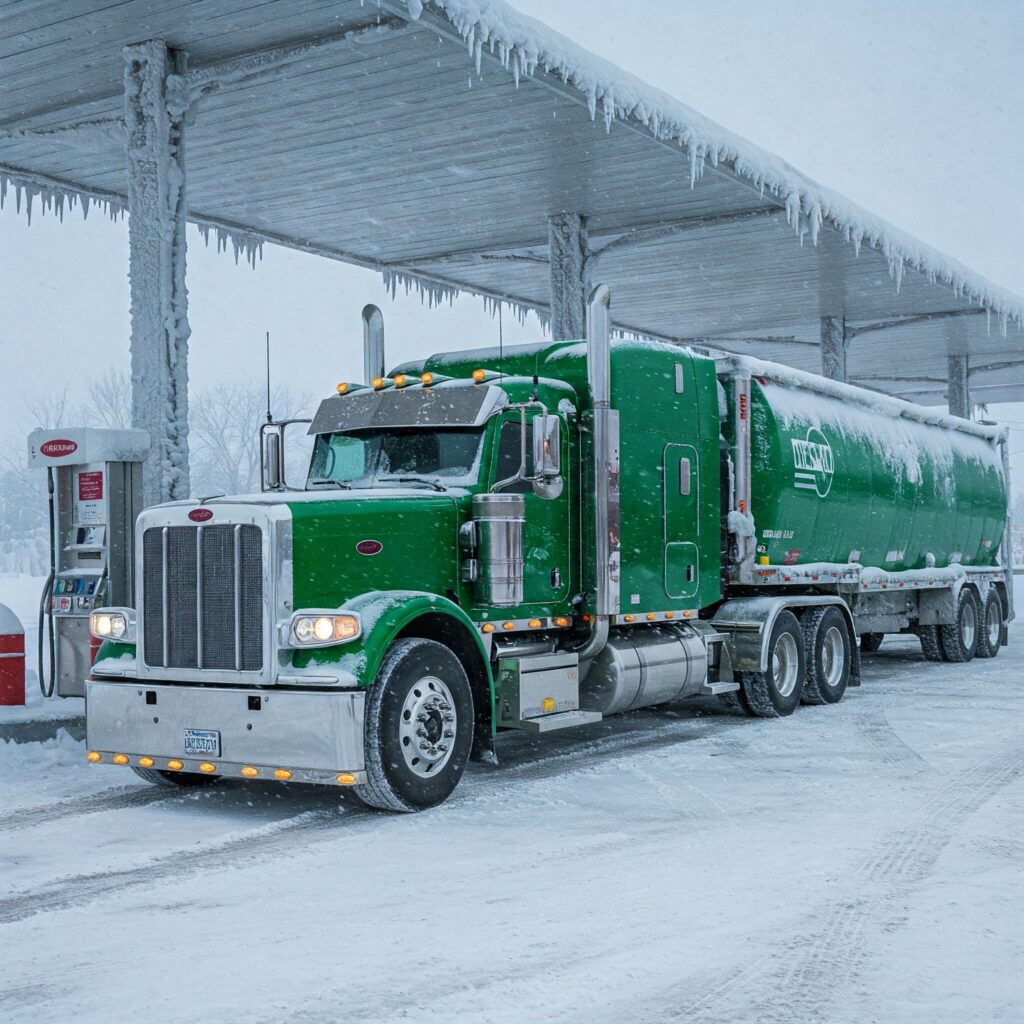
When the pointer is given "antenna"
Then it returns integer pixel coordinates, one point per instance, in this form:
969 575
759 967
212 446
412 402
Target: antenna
270 417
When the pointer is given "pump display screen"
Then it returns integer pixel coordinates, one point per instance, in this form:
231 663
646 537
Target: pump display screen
372 458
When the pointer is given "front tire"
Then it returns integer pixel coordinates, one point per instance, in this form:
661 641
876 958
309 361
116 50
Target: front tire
990 637
828 653
776 692
960 637
418 731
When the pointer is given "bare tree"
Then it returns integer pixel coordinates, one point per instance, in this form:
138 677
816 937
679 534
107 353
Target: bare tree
224 423
110 400
48 410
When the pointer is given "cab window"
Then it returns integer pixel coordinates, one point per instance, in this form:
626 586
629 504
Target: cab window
509 454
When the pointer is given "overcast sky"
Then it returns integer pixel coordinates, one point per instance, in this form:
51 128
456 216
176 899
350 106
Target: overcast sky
913 109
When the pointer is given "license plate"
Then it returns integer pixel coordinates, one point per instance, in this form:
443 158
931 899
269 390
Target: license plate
203 742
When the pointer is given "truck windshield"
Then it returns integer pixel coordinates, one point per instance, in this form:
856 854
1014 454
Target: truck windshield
372 457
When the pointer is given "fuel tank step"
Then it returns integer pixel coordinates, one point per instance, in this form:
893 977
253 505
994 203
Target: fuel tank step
712 689
561 720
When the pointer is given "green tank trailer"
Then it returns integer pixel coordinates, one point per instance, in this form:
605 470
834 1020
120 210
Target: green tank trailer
536 538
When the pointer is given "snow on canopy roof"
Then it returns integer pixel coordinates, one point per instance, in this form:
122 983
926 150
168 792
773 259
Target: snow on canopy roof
361 131
524 44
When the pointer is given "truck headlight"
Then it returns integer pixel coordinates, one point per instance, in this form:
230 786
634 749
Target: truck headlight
322 629
113 624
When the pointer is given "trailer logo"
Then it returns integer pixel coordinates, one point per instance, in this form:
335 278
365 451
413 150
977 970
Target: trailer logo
58 447
813 465
200 515
369 547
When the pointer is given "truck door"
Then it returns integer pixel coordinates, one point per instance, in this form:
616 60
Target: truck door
681 522
547 569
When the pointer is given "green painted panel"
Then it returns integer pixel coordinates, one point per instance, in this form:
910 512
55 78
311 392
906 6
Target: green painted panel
835 482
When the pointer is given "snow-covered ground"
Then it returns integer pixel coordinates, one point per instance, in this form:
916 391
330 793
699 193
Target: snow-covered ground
859 863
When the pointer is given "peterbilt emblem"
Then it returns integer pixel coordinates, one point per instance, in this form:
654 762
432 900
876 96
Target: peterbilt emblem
58 447
200 515
813 463
369 547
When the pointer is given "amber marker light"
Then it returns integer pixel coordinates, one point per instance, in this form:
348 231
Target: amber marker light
508 625
282 773
479 375
534 623
650 616
175 765
378 383
94 756
426 379
146 762
688 615
670 615
346 779
487 627
548 704
629 618
207 767
120 759
562 622
249 772
342 387
400 380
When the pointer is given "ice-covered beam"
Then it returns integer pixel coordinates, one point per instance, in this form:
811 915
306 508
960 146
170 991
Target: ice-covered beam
157 212
833 347
958 389
570 285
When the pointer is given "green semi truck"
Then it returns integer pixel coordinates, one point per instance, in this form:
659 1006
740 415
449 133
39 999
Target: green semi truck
536 538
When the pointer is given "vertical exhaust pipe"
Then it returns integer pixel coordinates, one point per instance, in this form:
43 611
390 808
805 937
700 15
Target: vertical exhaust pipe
373 343
607 554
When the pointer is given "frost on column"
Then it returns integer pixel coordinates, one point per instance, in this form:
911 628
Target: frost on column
157 212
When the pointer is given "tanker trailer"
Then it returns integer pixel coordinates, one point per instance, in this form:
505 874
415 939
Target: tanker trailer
899 510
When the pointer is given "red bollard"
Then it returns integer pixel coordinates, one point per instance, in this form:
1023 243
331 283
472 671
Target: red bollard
12 658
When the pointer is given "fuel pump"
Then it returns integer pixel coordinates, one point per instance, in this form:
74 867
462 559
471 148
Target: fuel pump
94 481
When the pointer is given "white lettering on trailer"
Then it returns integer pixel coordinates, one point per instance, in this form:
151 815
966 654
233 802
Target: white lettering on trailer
813 463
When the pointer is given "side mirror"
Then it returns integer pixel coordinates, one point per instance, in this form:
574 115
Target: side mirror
547 456
547 446
272 456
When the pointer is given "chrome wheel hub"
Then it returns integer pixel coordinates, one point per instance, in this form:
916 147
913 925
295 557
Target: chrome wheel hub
968 624
428 726
833 656
785 664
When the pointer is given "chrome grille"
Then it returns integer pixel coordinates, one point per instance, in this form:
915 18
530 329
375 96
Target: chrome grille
202 597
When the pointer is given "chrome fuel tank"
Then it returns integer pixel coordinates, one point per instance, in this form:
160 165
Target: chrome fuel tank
644 666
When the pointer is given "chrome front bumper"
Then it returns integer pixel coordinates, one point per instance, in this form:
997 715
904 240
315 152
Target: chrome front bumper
313 735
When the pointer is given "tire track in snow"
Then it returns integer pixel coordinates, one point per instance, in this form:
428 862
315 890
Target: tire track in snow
318 825
890 748
837 954
117 799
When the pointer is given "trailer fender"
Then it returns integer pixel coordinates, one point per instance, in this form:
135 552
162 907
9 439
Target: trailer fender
747 623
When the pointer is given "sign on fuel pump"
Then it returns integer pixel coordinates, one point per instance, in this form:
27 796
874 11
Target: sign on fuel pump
95 487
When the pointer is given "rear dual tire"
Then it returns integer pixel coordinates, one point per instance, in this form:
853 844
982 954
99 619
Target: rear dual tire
828 649
990 637
959 638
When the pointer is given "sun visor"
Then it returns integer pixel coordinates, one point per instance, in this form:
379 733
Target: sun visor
441 406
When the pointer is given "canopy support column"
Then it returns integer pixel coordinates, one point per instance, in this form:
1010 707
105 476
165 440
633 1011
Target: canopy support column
833 347
959 392
156 264
570 275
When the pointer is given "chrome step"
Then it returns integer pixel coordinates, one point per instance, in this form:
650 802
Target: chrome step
561 720
713 689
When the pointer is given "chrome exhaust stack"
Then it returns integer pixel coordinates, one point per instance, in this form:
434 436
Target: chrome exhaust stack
373 343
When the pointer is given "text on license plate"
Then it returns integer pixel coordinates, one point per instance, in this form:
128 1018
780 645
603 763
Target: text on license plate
202 741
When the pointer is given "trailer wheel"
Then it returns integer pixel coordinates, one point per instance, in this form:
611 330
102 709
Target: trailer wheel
776 692
735 701
418 730
180 780
960 637
931 643
827 655
870 642
990 637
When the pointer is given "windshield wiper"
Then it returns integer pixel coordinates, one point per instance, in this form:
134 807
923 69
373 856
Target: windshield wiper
414 480
328 480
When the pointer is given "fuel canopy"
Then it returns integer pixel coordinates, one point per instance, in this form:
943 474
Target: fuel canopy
432 142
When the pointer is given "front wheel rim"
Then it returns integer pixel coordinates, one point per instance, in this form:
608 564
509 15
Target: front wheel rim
785 665
833 656
427 727
968 624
